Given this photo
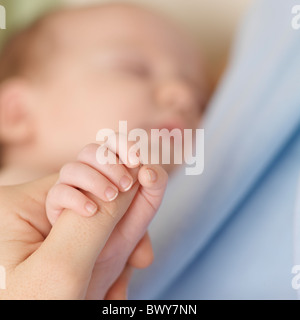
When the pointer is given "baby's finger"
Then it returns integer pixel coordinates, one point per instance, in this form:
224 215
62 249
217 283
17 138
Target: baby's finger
62 197
82 176
134 224
127 151
153 179
118 174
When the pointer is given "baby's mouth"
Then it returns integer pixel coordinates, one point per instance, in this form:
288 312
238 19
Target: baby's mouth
171 125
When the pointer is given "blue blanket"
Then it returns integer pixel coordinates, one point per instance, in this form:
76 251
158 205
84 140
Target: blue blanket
229 233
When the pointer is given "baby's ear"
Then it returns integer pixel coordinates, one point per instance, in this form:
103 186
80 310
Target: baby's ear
15 118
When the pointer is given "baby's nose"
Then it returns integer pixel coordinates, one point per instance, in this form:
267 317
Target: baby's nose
177 94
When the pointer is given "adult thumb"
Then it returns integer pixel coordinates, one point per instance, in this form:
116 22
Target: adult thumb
62 266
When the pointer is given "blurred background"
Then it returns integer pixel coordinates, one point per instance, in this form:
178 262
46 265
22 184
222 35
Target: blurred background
212 22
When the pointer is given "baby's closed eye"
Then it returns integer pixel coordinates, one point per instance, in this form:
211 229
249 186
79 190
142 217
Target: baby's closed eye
135 68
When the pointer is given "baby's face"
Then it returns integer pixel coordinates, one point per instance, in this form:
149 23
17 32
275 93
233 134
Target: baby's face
115 64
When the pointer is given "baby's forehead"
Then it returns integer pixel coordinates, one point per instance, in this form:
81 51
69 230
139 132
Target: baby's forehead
115 23
74 34
107 12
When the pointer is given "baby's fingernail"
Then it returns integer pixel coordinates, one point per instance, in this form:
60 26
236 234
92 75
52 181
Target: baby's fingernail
152 175
91 208
133 158
111 194
126 183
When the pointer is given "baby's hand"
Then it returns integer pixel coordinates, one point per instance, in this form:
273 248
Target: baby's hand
84 184
84 177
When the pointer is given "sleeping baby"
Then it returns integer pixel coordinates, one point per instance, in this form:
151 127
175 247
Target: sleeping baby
76 71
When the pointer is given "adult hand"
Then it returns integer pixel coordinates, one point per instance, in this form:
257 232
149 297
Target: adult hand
72 260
